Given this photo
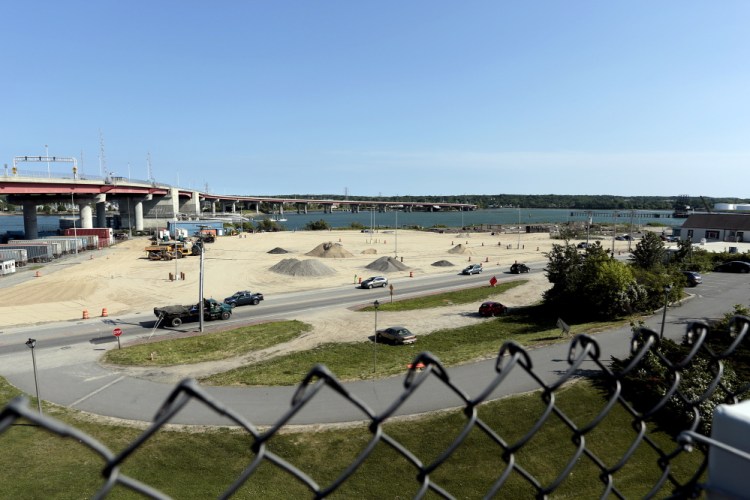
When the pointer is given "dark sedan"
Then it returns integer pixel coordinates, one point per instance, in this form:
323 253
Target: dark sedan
519 268
734 266
492 309
244 298
395 335
693 278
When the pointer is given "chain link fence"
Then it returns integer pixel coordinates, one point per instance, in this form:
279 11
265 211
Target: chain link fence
671 376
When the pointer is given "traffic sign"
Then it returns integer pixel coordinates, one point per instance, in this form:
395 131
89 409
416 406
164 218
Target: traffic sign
117 332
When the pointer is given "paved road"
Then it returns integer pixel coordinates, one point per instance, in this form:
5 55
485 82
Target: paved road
69 374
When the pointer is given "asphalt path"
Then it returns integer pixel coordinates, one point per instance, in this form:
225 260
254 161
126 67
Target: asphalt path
69 374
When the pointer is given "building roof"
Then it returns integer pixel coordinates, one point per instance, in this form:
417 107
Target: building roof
735 222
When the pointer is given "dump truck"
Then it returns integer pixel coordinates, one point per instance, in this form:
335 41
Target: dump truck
170 250
174 316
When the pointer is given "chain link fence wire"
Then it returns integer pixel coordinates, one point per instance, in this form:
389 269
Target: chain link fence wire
647 361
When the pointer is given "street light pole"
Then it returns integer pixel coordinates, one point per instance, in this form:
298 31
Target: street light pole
46 153
667 289
376 304
395 237
519 228
73 209
31 344
200 285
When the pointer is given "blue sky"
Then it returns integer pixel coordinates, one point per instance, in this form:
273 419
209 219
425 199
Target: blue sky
386 98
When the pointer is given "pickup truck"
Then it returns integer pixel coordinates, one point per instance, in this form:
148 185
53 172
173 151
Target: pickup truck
176 315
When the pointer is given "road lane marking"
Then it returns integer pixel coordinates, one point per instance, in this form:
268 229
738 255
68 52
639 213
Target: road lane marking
94 393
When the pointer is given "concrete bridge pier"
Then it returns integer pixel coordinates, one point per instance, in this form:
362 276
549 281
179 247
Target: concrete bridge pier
301 208
139 215
192 206
86 213
30 227
101 210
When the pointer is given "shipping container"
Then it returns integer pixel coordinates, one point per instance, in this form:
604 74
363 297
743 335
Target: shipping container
7 267
19 256
106 234
36 252
57 247
77 244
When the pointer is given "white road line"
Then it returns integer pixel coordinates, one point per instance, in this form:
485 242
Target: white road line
84 398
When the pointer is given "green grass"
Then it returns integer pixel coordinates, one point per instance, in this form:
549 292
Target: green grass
355 361
210 347
464 296
202 464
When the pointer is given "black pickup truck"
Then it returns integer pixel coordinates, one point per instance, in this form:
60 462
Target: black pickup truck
176 315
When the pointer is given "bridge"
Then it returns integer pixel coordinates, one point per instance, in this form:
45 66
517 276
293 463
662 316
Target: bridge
145 204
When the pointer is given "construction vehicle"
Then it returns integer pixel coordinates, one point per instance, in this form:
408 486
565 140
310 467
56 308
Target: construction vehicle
170 250
207 235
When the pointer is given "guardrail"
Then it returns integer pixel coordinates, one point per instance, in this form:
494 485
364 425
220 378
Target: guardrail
645 353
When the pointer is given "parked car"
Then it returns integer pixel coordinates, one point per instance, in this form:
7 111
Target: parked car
492 309
244 298
472 269
374 281
395 335
519 268
693 278
734 266
583 244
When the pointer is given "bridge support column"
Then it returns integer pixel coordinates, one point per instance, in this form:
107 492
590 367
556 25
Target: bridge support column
192 207
101 210
138 216
87 219
30 228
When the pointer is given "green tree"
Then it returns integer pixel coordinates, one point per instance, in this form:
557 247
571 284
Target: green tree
318 225
268 225
649 252
563 271
609 288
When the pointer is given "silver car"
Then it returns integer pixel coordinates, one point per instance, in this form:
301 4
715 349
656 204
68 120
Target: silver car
374 281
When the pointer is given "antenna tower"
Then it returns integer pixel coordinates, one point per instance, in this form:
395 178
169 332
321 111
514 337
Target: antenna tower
102 159
148 166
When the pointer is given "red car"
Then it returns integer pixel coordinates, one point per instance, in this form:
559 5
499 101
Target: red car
492 309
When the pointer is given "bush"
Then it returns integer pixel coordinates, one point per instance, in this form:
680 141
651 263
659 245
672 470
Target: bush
318 225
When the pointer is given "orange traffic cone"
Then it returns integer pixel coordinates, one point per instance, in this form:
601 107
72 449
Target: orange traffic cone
104 312
85 314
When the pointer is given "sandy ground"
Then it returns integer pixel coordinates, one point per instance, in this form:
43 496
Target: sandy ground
122 280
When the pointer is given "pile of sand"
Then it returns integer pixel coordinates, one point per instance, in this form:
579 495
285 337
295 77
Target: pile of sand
386 265
369 251
442 263
295 267
329 250
461 248
278 250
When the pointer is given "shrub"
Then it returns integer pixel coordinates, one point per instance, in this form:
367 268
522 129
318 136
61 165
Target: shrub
318 225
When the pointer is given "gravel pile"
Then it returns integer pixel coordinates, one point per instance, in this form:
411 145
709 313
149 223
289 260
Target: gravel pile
278 250
329 250
461 248
369 251
442 263
295 267
387 264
